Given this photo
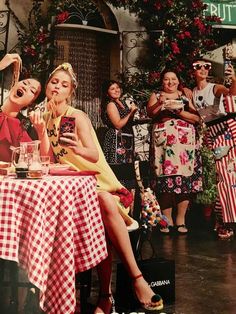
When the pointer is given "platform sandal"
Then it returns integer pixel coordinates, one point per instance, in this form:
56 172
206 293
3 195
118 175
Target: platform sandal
156 302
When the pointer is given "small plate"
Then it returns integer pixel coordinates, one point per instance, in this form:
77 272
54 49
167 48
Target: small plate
59 167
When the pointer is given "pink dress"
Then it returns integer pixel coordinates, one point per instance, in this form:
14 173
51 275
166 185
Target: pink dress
11 134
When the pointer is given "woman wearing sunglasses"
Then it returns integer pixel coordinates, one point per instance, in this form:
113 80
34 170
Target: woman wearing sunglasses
207 98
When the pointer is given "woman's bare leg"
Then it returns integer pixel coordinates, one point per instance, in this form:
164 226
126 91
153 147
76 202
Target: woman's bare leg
118 234
104 270
181 212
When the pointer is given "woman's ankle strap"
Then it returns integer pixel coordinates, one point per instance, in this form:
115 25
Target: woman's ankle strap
137 277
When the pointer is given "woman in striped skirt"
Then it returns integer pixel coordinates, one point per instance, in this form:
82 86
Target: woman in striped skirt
221 138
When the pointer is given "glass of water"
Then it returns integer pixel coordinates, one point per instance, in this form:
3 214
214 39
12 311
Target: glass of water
45 162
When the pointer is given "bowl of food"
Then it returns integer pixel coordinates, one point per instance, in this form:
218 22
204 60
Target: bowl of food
173 104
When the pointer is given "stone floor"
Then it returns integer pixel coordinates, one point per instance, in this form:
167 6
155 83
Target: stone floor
205 270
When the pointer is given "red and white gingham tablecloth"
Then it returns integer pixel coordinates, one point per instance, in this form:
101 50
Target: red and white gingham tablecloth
53 228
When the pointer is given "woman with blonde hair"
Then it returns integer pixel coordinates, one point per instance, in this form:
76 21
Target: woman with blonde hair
81 150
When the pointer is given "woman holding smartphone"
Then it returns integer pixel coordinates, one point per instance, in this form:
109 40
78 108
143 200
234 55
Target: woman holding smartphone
83 152
221 133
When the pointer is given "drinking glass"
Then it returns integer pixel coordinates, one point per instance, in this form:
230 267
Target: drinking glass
45 161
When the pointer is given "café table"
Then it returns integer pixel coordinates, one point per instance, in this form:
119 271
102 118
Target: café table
53 228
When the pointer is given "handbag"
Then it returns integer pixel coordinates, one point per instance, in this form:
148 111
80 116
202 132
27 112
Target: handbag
158 272
151 215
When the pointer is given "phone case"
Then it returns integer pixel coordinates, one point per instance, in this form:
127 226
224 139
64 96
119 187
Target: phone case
67 125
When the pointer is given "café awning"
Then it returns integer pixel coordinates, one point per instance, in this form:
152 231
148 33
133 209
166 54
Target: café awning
225 9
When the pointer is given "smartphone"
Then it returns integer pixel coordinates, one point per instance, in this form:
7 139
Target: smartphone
67 125
226 64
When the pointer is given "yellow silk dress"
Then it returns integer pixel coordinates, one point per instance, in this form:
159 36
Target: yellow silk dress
106 179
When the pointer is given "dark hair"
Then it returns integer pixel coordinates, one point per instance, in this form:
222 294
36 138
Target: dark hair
166 70
105 97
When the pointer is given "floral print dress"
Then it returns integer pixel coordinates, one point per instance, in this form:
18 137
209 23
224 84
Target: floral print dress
118 145
176 155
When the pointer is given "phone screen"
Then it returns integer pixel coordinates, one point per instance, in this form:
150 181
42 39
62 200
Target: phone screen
67 125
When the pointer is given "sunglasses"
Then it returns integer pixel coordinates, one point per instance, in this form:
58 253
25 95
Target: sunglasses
198 66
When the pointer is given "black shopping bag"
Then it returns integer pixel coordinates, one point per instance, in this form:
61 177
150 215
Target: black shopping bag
158 272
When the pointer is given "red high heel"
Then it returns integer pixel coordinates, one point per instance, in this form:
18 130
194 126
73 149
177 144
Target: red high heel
156 302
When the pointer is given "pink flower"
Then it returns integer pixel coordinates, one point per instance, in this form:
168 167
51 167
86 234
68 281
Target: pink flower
171 139
183 158
170 182
169 168
177 190
178 180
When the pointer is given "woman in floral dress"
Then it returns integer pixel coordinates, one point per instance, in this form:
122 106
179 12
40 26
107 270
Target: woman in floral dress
175 150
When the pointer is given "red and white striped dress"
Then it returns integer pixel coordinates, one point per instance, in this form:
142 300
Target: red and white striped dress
221 132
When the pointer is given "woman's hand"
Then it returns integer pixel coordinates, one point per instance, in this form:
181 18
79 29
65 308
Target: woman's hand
71 140
16 60
38 122
9 59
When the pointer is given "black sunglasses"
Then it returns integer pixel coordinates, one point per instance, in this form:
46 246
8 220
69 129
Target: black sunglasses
198 66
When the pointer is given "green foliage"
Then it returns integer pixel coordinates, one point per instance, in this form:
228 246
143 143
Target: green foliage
209 193
34 42
188 34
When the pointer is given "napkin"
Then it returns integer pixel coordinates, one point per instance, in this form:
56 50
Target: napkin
67 172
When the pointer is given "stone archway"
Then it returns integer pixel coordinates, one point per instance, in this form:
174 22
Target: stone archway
94 53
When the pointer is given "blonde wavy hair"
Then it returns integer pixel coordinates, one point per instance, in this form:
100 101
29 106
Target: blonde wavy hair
67 67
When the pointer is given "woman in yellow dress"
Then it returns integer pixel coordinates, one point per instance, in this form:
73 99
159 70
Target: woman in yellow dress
83 152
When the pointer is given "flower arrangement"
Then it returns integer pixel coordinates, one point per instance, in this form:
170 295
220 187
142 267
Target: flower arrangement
35 41
188 34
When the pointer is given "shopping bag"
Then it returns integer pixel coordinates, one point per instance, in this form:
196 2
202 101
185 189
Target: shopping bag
151 215
158 272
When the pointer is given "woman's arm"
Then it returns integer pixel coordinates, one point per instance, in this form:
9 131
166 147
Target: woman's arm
154 105
192 116
221 89
115 118
40 127
81 142
9 59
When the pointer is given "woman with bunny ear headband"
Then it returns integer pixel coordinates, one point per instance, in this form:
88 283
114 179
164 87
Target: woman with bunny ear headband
83 152
21 95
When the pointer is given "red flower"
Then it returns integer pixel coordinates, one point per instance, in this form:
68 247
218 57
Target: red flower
187 34
41 37
62 17
30 51
175 48
199 24
126 197
157 6
163 223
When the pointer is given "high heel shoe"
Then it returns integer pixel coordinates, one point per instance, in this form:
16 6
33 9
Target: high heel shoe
156 302
111 299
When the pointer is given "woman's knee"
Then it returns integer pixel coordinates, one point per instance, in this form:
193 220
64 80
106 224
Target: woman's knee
107 202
